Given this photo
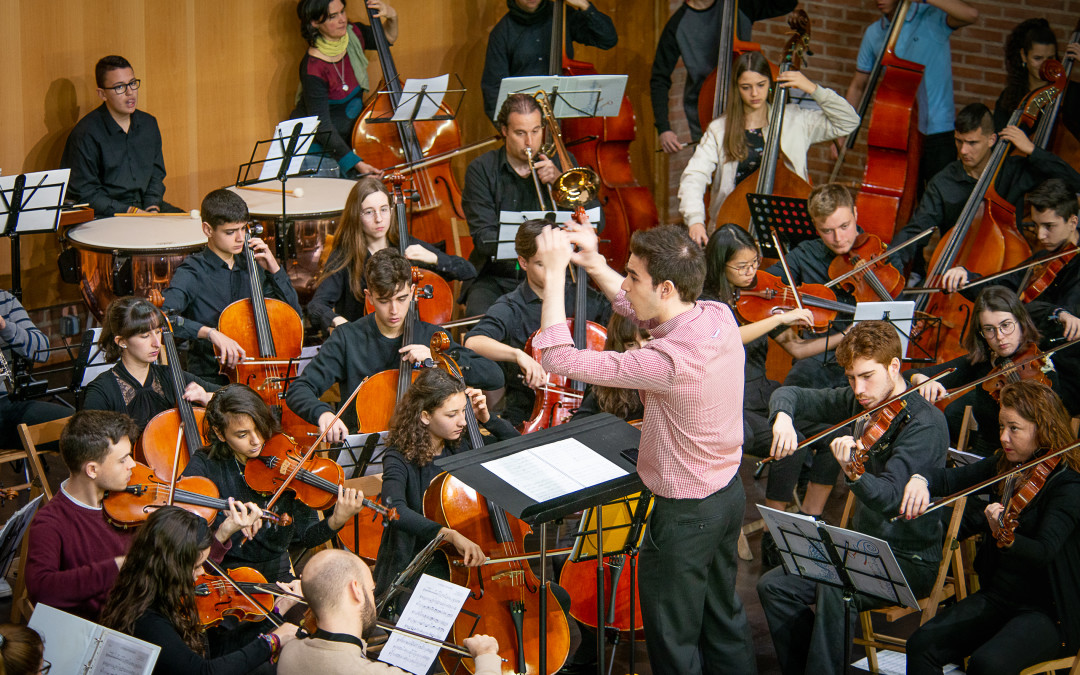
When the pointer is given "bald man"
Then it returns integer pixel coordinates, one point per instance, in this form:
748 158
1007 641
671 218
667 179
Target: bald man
340 591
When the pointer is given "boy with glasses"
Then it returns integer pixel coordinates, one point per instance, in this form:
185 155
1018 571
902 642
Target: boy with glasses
114 153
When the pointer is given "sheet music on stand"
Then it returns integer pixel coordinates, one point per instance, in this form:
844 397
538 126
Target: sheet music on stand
271 165
75 646
14 530
787 215
511 221
576 96
34 199
421 99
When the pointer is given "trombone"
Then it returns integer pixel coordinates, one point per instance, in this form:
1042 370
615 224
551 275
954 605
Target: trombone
536 182
574 187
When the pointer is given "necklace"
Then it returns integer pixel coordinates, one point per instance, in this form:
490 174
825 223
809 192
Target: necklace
341 74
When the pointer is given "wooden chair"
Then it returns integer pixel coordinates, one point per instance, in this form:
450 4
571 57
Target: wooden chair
944 587
1070 662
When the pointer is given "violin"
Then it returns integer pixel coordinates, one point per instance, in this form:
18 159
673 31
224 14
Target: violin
1042 276
876 426
1027 363
770 295
217 597
317 480
1016 498
146 492
872 284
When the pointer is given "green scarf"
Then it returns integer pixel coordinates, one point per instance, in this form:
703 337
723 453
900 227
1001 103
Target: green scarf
355 52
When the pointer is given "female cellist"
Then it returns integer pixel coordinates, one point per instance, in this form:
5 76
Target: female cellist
137 385
1025 611
428 423
367 225
735 140
333 74
154 599
1030 44
1000 329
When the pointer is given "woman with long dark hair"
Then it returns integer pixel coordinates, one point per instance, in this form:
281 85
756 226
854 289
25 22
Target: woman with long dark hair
21 651
623 335
367 225
1027 48
735 140
1025 610
154 599
138 385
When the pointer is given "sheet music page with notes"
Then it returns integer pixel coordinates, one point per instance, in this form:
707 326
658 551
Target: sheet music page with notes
431 611
75 645
555 469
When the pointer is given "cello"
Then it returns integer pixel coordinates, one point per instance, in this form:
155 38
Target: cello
894 145
984 239
603 145
1050 134
390 144
773 175
712 99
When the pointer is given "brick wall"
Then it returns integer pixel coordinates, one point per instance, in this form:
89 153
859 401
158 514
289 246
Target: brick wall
837 28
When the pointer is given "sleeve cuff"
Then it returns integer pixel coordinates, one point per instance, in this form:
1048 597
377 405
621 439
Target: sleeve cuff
347 162
554 336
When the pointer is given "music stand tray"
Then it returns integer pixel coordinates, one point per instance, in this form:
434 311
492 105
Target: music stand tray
787 215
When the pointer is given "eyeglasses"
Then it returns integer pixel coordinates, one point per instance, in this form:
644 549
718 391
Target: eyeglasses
1004 329
370 213
743 268
45 667
124 86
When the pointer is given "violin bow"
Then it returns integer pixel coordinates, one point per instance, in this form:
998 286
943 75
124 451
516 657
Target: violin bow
311 449
990 481
878 258
866 413
255 603
963 389
783 263
992 277
175 463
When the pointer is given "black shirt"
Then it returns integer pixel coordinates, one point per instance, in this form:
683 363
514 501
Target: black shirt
117 390
177 658
512 319
1062 293
520 44
755 145
112 170
200 290
358 349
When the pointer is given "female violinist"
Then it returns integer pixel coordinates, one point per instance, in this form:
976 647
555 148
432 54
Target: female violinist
367 225
138 385
1026 608
1001 331
734 141
21 651
333 74
1030 44
428 423
154 599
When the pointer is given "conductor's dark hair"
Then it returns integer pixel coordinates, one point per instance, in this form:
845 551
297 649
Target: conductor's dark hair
671 255
386 270
313 10
106 64
224 207
88 435
1054 194
974 116
522 104
525 239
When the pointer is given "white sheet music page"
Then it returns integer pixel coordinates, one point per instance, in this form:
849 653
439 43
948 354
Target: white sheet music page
431 611
122 655
426 104
555 469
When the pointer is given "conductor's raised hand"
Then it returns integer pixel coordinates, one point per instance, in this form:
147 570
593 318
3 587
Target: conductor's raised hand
553 249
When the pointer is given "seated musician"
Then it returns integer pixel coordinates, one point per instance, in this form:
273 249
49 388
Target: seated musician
374 343
1054 210
500 180
520 43
210 280
75 553
428 424
21 339
114 153
1027 47
736 149
154 599
693 34
21 650
924 39
367 225
948 191
623 335
334 74
502 333
916 441
1025 610
138 385
339 589
1001 332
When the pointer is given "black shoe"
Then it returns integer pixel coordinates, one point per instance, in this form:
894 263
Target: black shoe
770 554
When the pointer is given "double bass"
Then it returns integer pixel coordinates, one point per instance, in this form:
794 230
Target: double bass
390 144
713 99
894 145
1049 134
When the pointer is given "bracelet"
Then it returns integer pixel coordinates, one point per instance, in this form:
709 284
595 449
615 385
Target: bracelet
922 478
274 642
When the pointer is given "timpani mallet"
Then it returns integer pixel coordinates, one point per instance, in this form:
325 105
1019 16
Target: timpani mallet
295 192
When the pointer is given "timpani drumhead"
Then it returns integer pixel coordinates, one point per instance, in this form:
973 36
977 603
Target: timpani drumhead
320 196
145 233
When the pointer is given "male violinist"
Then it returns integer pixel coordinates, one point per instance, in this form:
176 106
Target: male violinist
915 441
375 343
339 589
210 280
948 191
502 333
74 552
691 435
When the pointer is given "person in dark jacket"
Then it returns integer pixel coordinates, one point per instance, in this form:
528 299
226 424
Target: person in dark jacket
1025 610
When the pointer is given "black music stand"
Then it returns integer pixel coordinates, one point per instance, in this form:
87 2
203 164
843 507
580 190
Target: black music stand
412 102
787 215
511 221
32 194
606 435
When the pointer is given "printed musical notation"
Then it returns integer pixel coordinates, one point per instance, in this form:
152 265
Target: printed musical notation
431 611
553 470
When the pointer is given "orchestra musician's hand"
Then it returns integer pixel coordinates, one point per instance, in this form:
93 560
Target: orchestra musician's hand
338 430
842 448
119 560
471 554
284 602
196 394
578 4
992 513
916 497
801 317
286 633
479 404
263 255
1073 51
834 148
546 170
363 169
698 234
955 279
349 503
669 141
1018 138
3 324
784 438
229 350
931 391
533 373
1070 325
239 517
797 80
415 353
482 644
417 253
383 9
154 208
